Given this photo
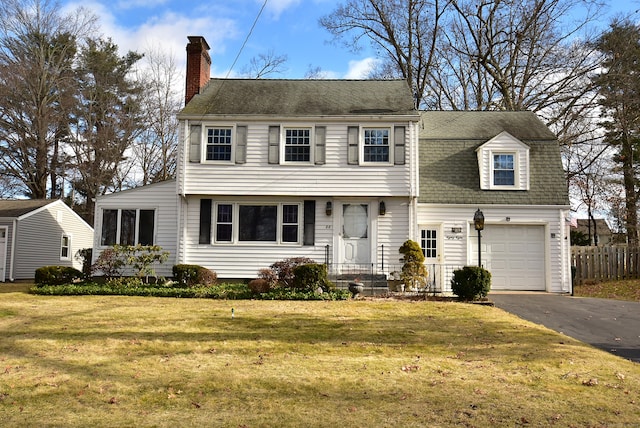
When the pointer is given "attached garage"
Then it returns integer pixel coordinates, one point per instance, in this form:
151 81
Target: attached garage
515 256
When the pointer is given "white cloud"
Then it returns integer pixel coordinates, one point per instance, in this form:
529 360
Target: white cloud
360 69
276 7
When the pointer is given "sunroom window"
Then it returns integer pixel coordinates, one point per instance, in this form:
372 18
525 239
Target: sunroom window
127 227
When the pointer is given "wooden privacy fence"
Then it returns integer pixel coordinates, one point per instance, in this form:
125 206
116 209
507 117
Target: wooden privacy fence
604 263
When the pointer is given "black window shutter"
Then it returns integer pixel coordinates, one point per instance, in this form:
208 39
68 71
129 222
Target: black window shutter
205 221
309 231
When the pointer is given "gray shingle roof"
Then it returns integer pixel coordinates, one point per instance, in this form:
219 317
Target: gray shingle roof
449 166
302 97
18 207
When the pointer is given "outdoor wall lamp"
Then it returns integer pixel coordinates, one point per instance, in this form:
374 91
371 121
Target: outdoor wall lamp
478 223
329 208
382 208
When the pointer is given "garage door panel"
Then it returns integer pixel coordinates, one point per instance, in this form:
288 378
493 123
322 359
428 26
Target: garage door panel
515 256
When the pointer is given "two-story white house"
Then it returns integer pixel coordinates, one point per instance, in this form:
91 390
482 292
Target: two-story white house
339 171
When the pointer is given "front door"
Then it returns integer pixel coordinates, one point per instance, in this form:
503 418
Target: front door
356 248
3 252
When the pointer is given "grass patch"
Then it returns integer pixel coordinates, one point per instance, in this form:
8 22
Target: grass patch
134 361
628 289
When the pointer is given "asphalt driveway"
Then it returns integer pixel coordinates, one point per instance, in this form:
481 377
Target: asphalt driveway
611 325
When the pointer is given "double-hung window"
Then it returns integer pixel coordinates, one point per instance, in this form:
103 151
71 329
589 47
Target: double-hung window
65 247
503 169
247 223
219 144
127 227
297 145
376 145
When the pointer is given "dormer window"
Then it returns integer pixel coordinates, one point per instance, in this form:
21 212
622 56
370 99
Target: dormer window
503 169
503 163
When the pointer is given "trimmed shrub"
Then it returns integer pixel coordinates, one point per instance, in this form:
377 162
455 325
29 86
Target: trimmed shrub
310 277
284 269
56 275
109 262
471 283
259 286
414 273
192 275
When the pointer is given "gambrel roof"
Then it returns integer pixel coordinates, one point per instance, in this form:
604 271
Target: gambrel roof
296 98
448 162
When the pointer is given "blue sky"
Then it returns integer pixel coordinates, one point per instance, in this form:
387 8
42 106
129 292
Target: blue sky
286 27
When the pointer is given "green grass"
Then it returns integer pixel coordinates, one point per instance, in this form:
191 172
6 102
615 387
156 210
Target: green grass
135 361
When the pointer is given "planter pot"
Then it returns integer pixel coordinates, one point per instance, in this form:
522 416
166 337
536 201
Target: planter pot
356 288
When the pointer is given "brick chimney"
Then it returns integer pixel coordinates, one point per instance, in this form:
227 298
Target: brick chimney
198 66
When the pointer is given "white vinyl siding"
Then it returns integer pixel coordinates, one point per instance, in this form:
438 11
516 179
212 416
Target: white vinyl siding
335 177
160 197
244 260
460 248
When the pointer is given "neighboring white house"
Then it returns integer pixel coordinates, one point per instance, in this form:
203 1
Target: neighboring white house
36 233
345 171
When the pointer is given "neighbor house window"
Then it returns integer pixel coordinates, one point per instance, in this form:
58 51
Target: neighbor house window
65 248
376 145
297 145
218 144
244 223
503 170
127 227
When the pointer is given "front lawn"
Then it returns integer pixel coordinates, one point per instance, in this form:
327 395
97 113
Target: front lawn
135 361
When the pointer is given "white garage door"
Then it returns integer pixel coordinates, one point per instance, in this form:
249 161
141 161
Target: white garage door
515 257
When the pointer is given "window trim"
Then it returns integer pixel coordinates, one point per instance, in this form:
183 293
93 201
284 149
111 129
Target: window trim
204 138
235 223
283 143
516 170
390 145
119 224
68 246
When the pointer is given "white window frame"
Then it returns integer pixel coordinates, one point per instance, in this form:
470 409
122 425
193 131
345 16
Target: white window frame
235 225
137 224
390 145
205 142
516 171
283 143
66 236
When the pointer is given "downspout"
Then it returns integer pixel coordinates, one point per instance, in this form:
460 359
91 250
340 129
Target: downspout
13 249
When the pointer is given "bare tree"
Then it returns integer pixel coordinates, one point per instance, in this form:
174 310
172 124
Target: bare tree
154 151
37 49
264 65
404 32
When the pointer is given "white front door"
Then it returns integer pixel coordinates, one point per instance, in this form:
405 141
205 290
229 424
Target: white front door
356 248
3 252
